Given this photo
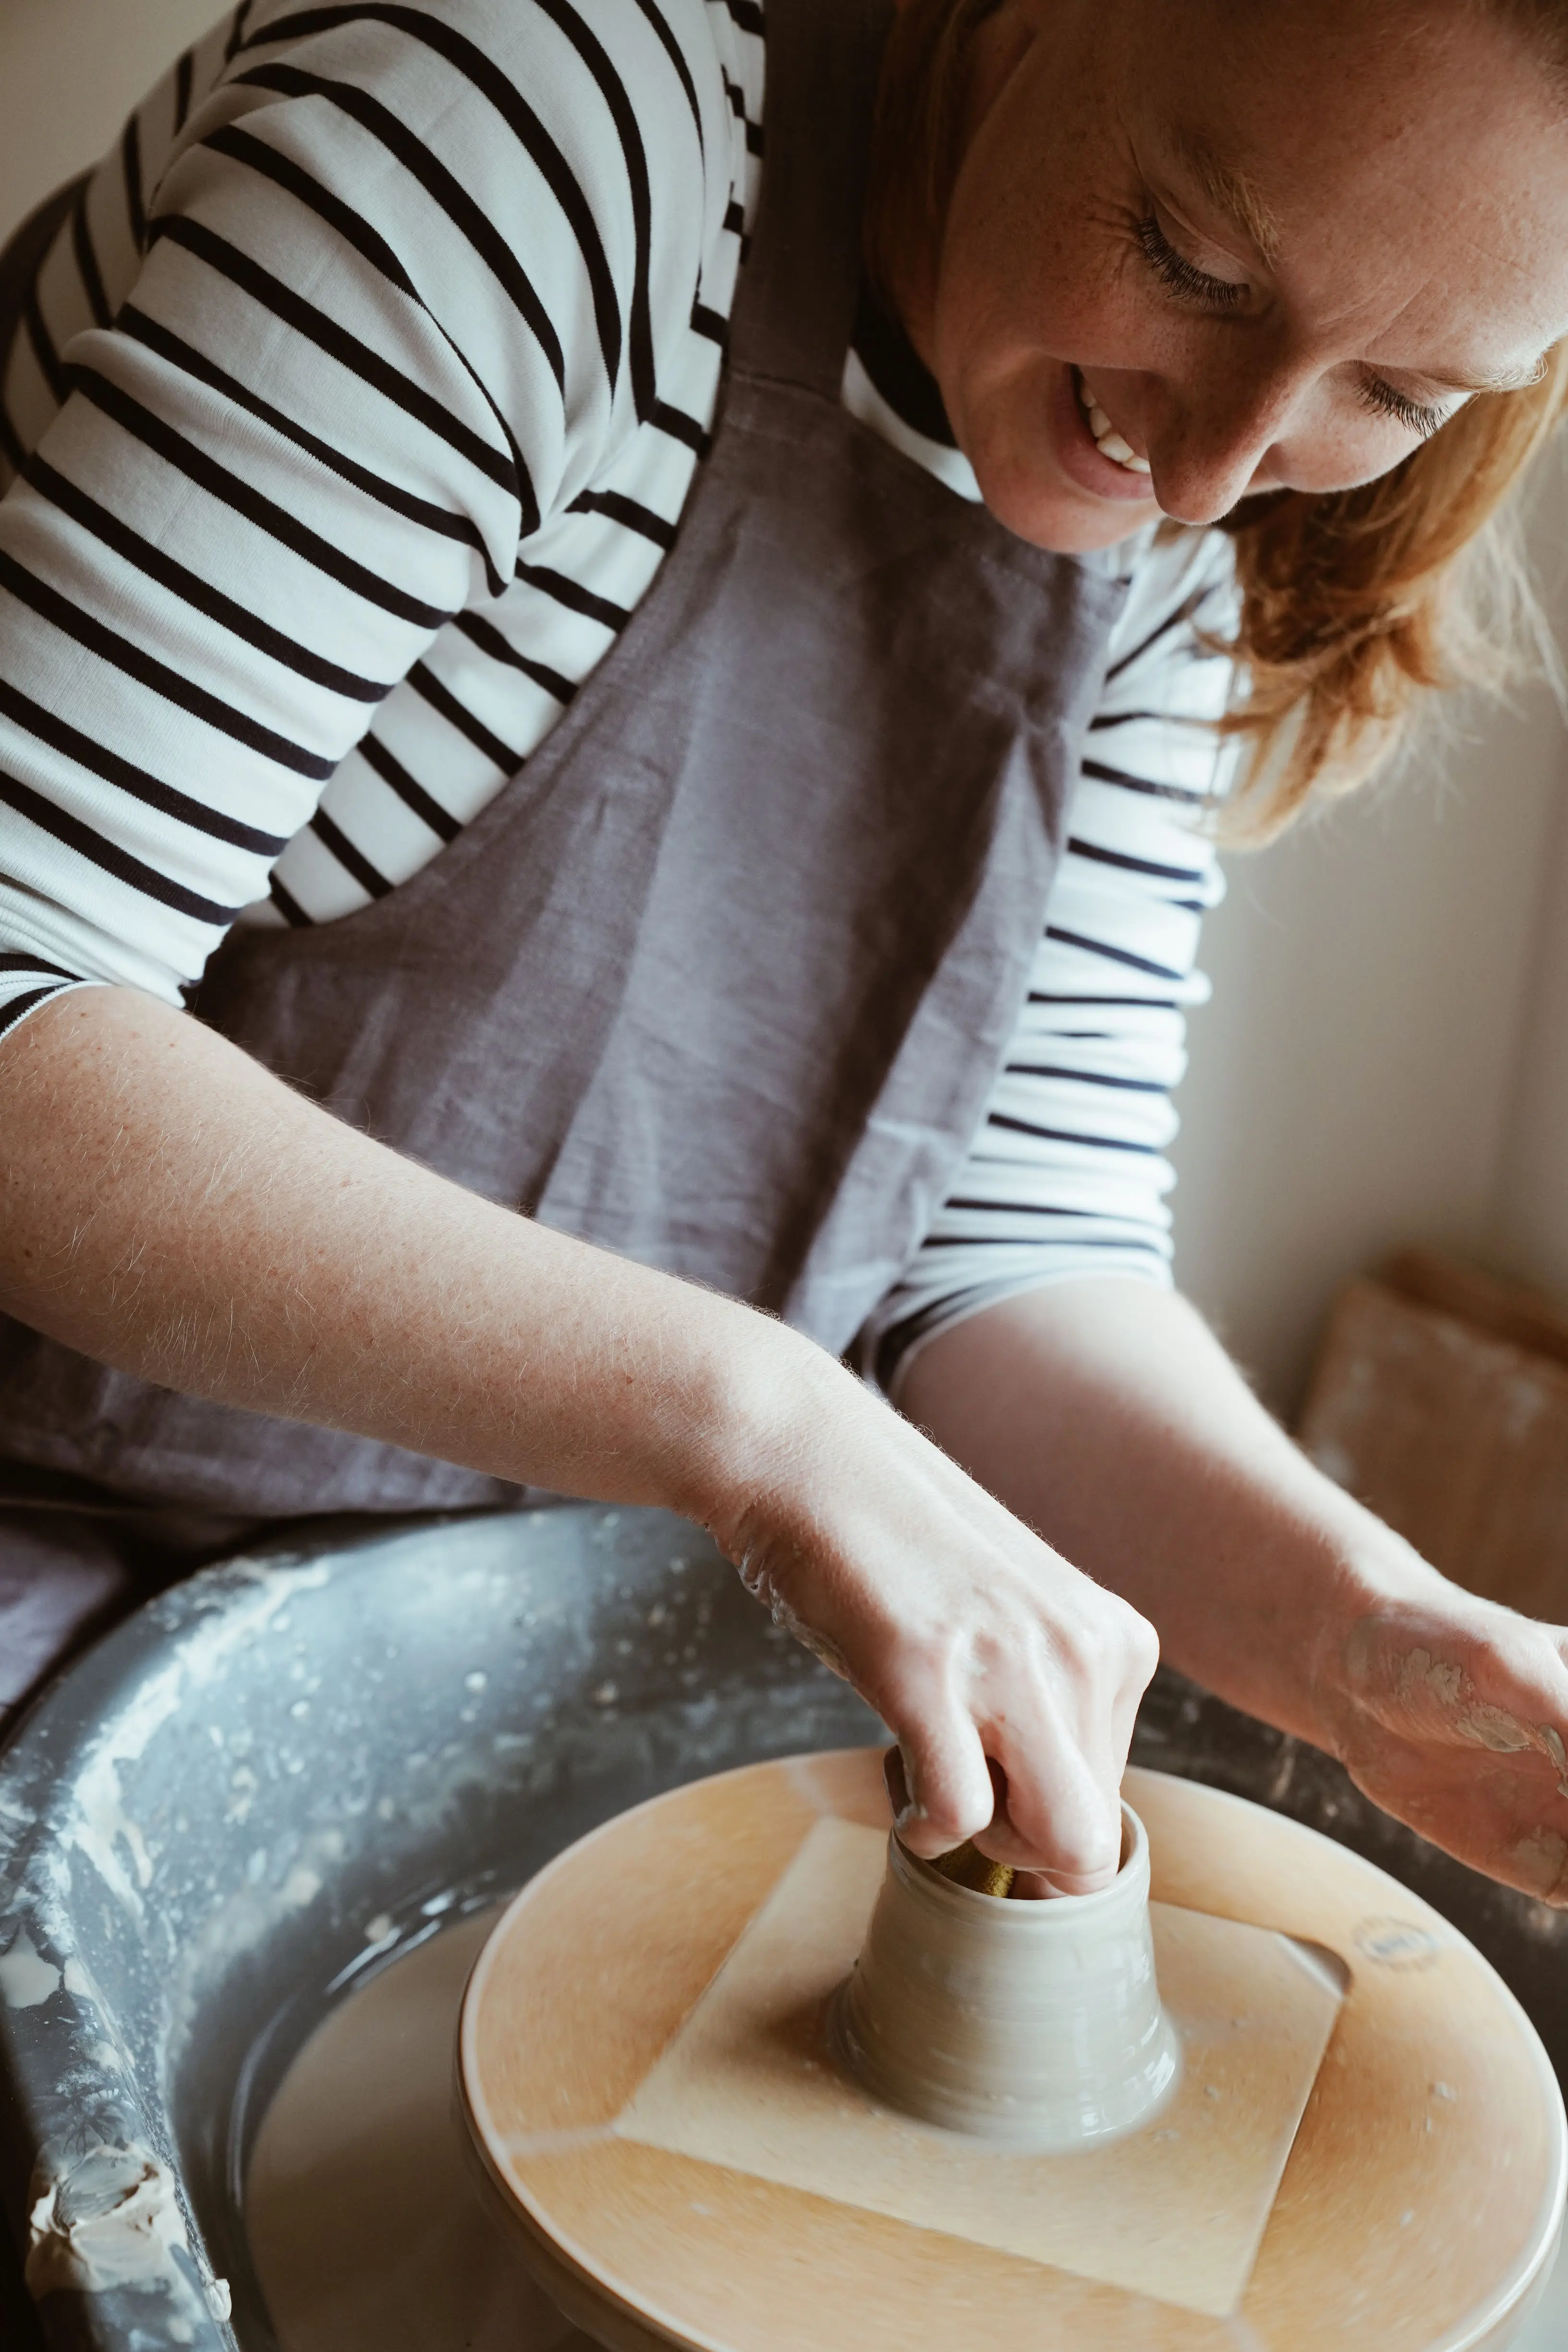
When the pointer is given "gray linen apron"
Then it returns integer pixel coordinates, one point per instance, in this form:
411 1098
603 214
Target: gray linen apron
723 977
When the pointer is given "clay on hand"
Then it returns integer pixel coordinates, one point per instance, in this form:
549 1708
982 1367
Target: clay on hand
1451 1712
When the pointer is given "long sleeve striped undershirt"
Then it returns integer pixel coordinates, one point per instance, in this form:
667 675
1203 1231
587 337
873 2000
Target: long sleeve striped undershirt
352 415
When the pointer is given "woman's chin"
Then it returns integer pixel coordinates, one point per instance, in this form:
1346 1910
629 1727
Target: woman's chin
1039 470
1059 517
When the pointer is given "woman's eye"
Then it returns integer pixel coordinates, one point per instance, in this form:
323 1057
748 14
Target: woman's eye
1181 275
1384 400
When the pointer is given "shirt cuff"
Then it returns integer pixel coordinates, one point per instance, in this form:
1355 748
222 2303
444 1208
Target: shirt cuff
891 1342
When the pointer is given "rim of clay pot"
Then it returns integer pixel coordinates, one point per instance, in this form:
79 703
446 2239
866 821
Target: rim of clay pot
1053 1914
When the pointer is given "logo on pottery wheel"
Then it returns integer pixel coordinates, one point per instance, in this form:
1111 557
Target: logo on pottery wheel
1396 1944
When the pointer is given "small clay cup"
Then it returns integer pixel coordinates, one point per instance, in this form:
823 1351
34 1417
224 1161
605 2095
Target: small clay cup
1032 2025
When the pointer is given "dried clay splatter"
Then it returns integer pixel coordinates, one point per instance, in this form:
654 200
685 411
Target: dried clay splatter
26 1978
759 1582
109 2219
1488 1726
1542 1860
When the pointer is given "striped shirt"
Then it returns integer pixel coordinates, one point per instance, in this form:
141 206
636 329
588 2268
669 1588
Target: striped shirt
353 410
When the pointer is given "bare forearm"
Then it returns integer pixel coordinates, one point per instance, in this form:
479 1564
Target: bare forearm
169 1207
1107 1415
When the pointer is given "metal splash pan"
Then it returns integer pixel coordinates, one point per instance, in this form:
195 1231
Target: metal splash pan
282 1775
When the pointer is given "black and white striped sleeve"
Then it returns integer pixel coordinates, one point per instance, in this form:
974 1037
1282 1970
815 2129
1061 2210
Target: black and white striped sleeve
382 314
1067 1176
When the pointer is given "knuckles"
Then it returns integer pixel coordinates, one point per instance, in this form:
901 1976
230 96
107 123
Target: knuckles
1077 1860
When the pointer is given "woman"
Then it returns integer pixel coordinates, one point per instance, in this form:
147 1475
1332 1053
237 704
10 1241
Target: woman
662 772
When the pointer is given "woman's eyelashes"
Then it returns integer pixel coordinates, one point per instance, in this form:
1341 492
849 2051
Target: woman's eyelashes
1413 415
1200 286
1184 276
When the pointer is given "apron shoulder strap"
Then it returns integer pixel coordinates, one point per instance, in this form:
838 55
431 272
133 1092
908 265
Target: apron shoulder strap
795 305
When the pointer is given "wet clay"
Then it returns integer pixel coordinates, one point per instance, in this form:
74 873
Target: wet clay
1029 2025
365 2226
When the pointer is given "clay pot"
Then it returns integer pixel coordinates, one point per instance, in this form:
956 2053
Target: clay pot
1034 2025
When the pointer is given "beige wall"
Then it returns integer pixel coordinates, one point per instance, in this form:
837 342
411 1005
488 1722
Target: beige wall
70 71
1386 1059
1532 1220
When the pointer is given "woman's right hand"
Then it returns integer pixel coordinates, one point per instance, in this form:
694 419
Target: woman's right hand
1008 1678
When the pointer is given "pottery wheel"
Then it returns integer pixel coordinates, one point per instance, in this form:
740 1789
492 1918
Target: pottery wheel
1366 2153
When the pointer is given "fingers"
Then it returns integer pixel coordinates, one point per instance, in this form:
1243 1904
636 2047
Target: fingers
1502 1813
938 1783
1020 1744
971 1637
1031 1886
1060 1755
1498 1820
1055 1819
1061 1827
1537 1864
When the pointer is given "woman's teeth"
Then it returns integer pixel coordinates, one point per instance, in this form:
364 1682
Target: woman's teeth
1107 439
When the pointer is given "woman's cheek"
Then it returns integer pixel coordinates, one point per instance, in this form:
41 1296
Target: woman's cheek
1339 453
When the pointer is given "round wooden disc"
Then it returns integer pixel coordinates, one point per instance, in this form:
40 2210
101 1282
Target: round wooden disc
1419 2209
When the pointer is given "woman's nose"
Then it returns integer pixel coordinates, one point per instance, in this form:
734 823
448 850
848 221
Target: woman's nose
1208 449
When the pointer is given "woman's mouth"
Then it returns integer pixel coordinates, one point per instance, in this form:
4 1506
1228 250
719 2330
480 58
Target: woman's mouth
1090 452
1107 440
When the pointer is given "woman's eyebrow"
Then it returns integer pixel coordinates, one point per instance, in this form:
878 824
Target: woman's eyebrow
1229 190
1518 379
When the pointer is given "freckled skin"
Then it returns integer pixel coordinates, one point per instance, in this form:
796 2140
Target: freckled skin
1417 171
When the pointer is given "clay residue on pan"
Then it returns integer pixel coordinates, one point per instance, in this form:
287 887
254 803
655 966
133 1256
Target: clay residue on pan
100 1824
26 1978
109 2219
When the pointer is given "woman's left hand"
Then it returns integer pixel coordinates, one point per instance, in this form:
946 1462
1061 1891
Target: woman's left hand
1452 1713
1106 1414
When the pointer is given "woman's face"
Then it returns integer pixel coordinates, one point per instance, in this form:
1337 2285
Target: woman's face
1239 248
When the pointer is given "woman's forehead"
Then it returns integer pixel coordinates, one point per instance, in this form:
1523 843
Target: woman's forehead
1423 185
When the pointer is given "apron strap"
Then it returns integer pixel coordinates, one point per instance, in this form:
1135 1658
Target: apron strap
794 308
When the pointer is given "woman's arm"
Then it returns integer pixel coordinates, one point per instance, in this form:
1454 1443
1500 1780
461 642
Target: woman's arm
169 1207
1106 1415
